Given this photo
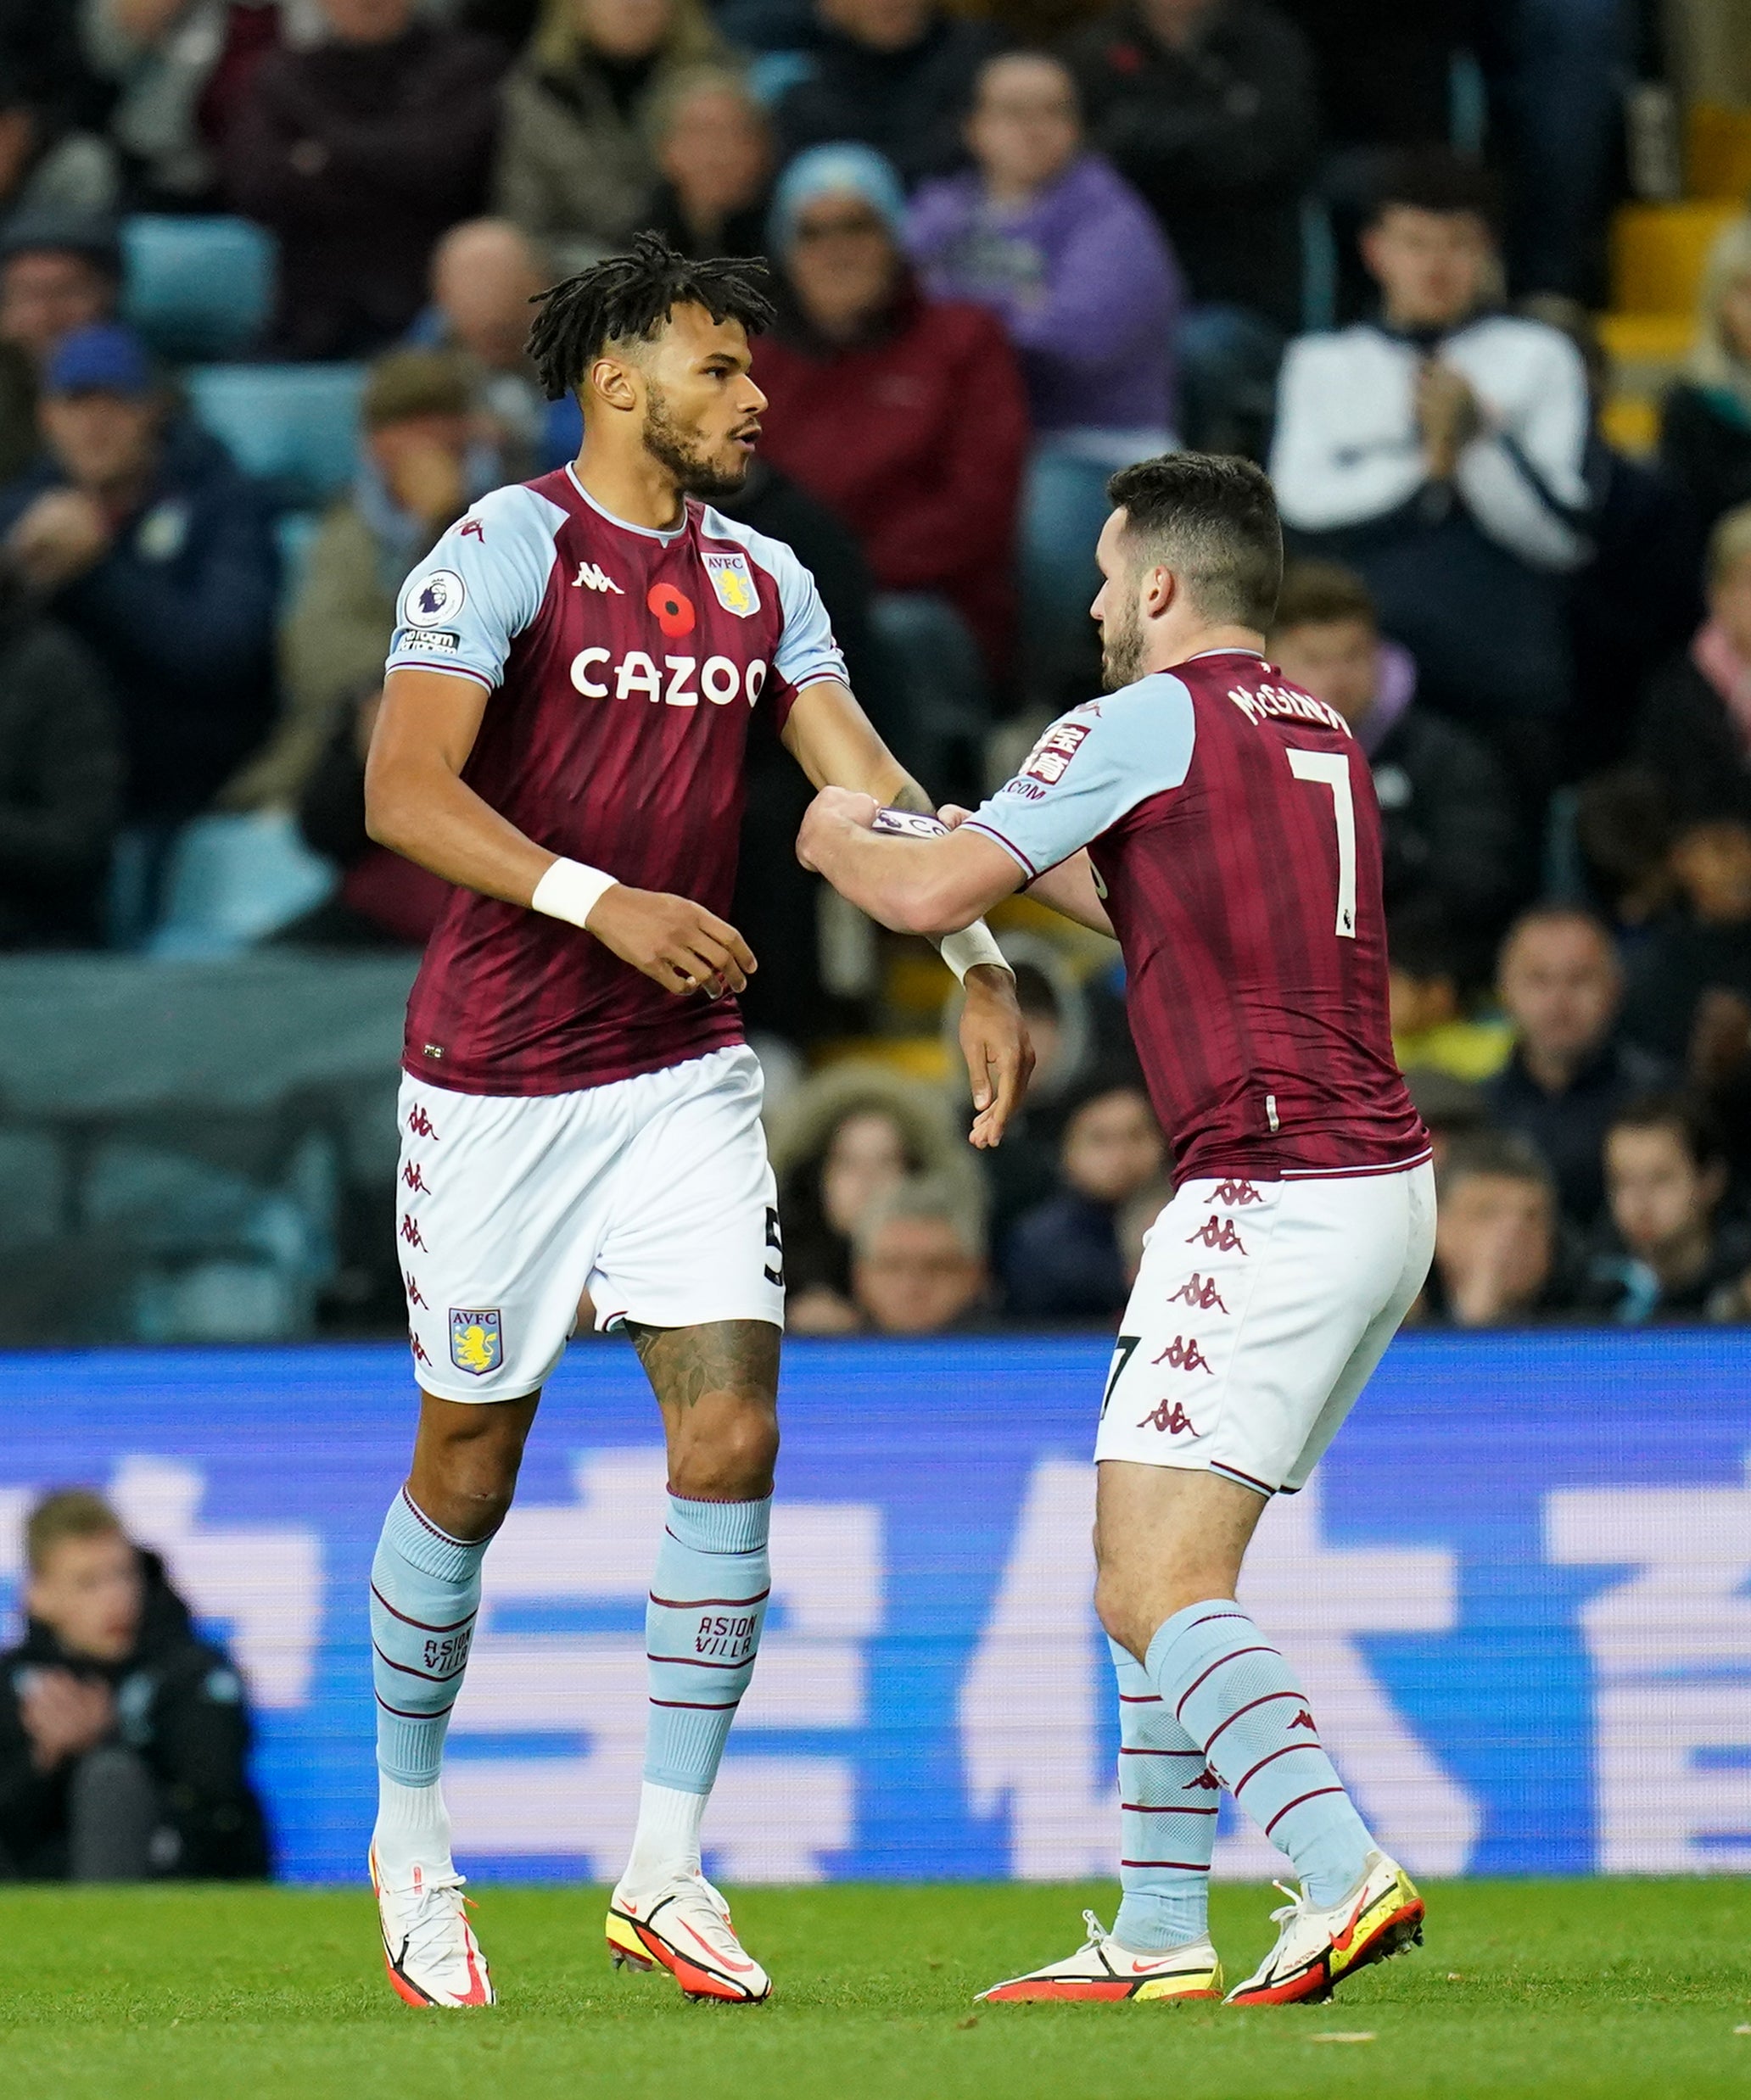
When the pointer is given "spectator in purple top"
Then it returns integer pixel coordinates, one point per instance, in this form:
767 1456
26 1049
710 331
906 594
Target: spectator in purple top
1072 262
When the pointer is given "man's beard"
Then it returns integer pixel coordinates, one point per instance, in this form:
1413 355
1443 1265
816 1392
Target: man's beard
1121 650
678 451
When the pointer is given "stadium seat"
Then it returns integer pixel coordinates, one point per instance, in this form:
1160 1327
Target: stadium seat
293 425
234 879
198 287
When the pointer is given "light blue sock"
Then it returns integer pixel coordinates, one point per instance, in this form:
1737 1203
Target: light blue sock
1166 1819
425 1591
701 1633
1237 1699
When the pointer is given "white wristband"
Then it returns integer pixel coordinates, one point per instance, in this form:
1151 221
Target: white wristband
570 890
969 948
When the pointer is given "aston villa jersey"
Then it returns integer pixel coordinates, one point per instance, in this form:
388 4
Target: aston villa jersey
1232 824
623 666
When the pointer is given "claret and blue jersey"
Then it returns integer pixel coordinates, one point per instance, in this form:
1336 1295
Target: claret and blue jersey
623 666
1231 825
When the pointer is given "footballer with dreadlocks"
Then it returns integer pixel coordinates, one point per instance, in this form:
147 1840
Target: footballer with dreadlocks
562 732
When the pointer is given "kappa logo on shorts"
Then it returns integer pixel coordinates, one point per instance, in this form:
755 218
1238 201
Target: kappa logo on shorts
419 1122
1236 1194
477 1340
1218 1234
1183 1355
1200 1291
1172 1422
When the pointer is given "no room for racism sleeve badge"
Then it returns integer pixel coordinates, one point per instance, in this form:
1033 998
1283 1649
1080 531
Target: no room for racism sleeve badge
477 1341
733 583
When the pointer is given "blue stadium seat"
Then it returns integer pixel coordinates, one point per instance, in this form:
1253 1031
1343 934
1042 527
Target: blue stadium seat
295 425
198 287
234 879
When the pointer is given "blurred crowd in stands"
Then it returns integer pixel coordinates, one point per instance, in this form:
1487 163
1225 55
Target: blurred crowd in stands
264 274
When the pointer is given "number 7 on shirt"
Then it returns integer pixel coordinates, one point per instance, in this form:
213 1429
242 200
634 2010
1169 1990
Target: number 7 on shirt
1331 769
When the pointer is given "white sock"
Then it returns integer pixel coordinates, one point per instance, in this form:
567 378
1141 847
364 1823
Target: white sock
666 1843
413 1830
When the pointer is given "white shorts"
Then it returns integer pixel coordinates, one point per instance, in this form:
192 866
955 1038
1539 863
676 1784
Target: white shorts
1259 1313
654 1194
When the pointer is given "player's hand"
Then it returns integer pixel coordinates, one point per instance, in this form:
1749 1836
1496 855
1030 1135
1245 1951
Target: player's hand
999 1057
951 816
833 805
676 943
63 1716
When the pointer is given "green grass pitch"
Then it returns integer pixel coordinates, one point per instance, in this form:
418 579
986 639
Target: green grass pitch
1583 1988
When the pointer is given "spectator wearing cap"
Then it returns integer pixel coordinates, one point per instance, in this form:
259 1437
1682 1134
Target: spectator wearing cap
57 273
359 154
139 534
421 464
575 169
906 416
894 74
1439 450
1209 108
1065 253
1451 841
1562 985
1667 1255
178 71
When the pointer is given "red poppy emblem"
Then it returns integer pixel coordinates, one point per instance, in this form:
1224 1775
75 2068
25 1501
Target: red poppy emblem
673 609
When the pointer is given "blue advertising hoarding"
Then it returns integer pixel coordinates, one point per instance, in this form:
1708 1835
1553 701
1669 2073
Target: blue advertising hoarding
1519 1593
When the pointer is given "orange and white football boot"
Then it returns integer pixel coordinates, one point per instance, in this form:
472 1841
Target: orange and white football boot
1320 1945
684 1927
1101 1969
430 1947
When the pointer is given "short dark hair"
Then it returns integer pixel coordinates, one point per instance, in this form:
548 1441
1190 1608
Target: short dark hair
1687 1118
66 1513
1212 520
1434 178
1316 593
628 298
1504 1154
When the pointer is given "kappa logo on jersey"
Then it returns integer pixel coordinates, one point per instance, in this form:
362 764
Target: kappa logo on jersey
590 577
477 1340
436 598
1049 759
732 581
636 673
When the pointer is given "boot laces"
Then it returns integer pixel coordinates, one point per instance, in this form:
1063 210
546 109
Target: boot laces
1098 1933
433 1915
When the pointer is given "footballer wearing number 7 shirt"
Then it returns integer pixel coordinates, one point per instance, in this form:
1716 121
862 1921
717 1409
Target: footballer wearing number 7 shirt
562 732
1221 823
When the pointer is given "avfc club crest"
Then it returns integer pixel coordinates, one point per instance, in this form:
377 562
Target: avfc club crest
477 1340
733 581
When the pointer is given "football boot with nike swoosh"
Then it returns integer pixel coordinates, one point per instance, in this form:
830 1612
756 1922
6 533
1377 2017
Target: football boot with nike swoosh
684 1927
1319 1944
1100 1969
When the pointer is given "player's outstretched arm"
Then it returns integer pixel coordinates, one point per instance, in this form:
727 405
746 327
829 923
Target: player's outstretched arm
417 804
833 741
931 886
1069 890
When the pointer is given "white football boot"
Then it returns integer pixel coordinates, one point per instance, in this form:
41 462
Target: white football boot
430 1947
1319 1944
683 1926
1101 1969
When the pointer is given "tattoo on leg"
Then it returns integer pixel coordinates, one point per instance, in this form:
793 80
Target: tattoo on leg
684 1364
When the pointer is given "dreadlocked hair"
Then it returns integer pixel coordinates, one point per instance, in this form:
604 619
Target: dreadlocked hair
627 298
